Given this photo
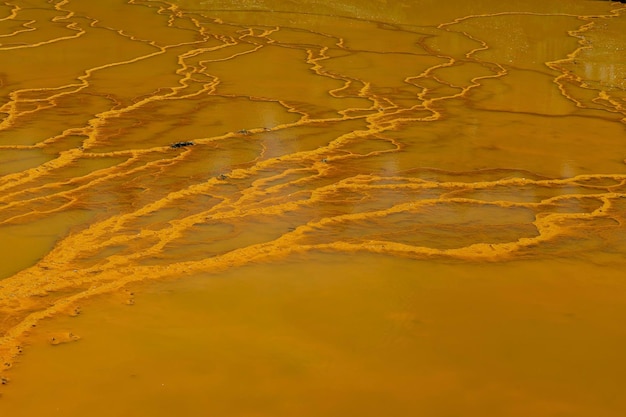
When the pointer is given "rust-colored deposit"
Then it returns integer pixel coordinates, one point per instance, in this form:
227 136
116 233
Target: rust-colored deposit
143 141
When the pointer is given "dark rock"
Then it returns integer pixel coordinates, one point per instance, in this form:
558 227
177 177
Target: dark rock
181 144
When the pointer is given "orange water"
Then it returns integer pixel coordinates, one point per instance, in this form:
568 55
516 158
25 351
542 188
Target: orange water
386 209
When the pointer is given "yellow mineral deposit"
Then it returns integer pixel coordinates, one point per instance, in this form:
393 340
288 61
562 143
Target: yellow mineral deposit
281 208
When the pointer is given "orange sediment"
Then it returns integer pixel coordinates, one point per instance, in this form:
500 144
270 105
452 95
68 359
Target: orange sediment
303 141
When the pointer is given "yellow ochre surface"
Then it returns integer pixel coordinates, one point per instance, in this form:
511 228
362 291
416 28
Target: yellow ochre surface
281 208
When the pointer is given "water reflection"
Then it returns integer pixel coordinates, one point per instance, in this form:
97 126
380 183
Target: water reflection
478 133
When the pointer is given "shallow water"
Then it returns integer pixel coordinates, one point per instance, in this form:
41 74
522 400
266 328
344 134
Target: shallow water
372 209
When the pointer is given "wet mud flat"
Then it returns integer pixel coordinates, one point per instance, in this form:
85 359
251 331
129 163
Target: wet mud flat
334 335
234 209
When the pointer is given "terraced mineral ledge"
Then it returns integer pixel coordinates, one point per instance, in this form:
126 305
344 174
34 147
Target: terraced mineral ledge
277 208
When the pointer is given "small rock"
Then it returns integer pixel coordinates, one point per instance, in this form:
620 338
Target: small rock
61 338
181 144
